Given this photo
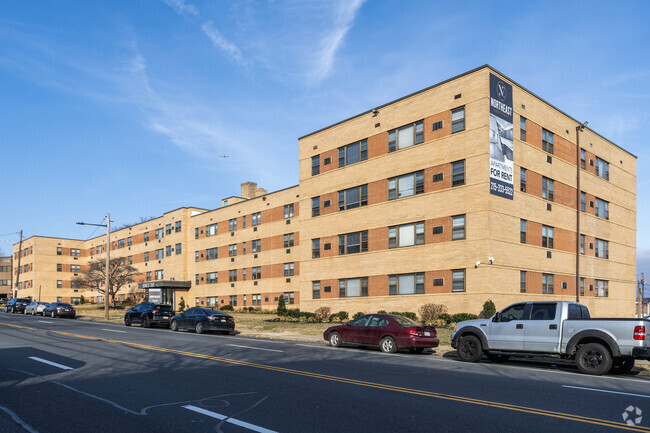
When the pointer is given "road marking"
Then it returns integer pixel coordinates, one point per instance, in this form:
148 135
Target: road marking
113 330
230 420
256 348
17 420
44 321
361 383
45 361
605 390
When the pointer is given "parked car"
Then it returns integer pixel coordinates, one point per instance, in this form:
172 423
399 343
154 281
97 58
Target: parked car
60 309
202 320
16 305
149 314
597 346
36 307
3 302
388 331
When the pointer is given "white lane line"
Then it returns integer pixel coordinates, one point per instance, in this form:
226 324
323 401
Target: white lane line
113 330
323 346
45 361
44 321
256 348
230 420
19 421
605 390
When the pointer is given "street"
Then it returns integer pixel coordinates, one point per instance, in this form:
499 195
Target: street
70 375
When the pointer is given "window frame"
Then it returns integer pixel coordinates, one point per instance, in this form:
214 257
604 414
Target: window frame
547 145
343 196
344 153
418 185
417 136
461 121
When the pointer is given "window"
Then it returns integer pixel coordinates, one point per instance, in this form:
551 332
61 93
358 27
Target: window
602 168
243 222
458 173
177 226
75 268
129 241
256 246
547 283
243 274
438 177
160 253
288 240
315 248
602 288
160 233
522 281
243 247
257 299
256 218
407 185
583 159
406 235
178 248
211 254
602 248
59 251
315 289
158 275
120 243
168 250
458 119
406 136
582 286
547 237
232 275
59 267
211 230
232 300
353 197
288 269
232 224
92 251
146 239
256 272
146 256
232 250
353 287
458 280
353 153
315 206
522 128
602 208
543 311
583 201
288 210
406 284
211 277
315 165
582 244
129 260
547 141
457 227
353 242
288 298
196 256
522 179
59 284
547 188
168 229
75 252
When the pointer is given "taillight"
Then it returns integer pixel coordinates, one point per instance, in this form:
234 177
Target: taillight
639 332
155 311
413 331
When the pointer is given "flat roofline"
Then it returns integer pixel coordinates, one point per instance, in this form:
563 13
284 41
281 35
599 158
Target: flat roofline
485 66
246 200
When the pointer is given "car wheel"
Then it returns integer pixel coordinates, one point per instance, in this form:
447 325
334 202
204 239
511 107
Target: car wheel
497 358
416 349
127 321
199 328
469 349
622 365
387 345
173 326
52 314
335 339
145 322
593 358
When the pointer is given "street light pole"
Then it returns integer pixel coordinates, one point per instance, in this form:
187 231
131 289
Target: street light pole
108 258
579 129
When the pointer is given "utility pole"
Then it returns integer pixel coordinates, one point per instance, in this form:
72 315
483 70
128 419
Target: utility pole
579 129
640 296
108 258
20 254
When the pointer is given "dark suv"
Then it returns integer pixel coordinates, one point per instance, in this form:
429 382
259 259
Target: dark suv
17 305
148 314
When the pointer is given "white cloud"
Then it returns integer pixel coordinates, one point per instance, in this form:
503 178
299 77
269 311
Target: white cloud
220 42
182 8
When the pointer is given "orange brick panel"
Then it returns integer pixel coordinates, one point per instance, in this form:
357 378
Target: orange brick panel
377 191
378 145
564 194
564 240
334 251
377 285
534 233
445 236
378 239
533 134
445 183
564 149
443 132
429 276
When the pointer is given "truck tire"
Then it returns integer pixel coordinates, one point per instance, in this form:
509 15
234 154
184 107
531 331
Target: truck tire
593 358
497 358
622 365
469 349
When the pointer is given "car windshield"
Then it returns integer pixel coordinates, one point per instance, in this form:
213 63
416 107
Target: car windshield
63 304
405 321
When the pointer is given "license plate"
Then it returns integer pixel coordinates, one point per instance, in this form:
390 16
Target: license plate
165 317
427 334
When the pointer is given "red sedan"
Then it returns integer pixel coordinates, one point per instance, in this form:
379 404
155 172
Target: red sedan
388 331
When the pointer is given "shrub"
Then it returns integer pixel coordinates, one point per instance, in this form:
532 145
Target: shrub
181 305
226 308
357 315
429 313
381 312
461 317
82 300
343 315
488 309
408 314
282 307
293 313
446 317
322 313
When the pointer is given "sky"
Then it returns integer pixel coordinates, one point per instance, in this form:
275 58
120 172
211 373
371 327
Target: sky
128 107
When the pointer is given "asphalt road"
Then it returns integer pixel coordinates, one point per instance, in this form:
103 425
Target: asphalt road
62 375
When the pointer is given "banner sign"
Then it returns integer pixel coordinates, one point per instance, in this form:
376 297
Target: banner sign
501 145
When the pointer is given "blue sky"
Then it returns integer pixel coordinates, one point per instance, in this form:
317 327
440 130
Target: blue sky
126 106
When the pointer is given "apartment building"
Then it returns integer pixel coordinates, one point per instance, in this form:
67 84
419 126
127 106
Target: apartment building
5 277
471 189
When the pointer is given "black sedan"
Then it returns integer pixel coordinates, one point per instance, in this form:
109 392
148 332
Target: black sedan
148 314
202 320
59 309
16 305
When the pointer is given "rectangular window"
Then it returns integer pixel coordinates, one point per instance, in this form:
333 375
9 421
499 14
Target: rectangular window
257 299
315 165
158 275
243 274
59 251
602 248
146 256
288 269
288 240
75 252
315 248
457 227
59 284
583 159
315 289
583 201
211 230
602 288
168 250
315 206
353 153
92 251
75 268
602 208
353 287
168 229
232 300
256 272
458 173
406 284
522 179
458 119
458 280
582 286
129 241
232 275
232 224
211 277
522 281
211 254
243 222
406 235
148 277
406 185
547 141
232 250
59 267
120 243
256 246
602 168
178 248
160 233
243 247
582 244
288 298
353 197
351 243
196 233
547 237
288 210
146 238
256 218
406 136
547 284
160 253
522 231
177 226
547 188
522 128
130 260
196 256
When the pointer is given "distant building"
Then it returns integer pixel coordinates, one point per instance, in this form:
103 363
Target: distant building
5 277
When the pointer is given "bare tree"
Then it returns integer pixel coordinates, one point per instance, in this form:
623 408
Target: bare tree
119 274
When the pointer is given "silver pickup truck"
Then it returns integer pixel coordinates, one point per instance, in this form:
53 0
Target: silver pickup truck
562 329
